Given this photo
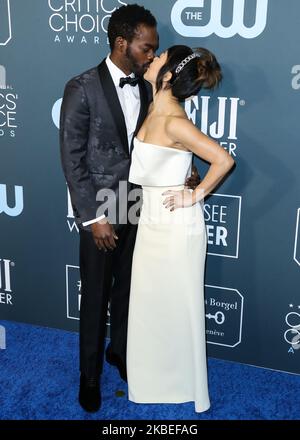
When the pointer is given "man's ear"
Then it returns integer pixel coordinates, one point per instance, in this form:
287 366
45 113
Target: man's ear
121 44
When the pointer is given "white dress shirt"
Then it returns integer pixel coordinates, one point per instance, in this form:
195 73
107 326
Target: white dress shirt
129 97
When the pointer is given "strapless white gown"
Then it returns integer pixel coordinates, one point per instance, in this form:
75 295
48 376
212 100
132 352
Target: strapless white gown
166 347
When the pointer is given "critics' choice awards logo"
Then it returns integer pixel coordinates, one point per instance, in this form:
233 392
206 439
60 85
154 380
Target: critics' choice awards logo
81 21
8 106
296 77
201 18
292 333
5 281
5 22
73 291
224 315
15 205
219 122
222 215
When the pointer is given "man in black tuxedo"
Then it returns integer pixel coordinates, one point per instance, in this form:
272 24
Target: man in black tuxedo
102 110
100 115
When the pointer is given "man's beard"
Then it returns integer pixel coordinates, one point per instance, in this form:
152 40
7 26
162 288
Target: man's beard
136 68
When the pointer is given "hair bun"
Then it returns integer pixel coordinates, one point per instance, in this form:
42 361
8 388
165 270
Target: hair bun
209 70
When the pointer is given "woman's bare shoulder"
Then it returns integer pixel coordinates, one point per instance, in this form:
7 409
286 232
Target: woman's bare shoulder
177 120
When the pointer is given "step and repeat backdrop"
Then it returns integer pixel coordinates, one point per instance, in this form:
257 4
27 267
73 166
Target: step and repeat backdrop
253 262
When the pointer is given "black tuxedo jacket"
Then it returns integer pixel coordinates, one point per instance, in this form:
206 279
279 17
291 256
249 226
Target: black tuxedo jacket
93 139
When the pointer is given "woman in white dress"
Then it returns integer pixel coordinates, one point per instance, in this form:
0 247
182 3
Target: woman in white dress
166 348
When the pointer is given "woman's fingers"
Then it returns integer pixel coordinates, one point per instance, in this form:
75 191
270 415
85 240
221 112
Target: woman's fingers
167 199
170 202
177 199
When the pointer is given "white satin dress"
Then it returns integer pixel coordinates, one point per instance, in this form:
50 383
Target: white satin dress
166 347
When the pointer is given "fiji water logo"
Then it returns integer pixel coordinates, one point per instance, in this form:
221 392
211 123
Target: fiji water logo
192 18
5 281
15 208
217 121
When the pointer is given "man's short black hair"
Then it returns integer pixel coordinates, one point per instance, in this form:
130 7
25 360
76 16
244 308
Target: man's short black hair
125 20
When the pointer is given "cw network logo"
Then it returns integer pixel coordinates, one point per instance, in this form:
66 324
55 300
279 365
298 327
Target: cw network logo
187 17
5 22
12 211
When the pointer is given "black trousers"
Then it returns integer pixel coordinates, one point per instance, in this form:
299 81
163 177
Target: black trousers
97 270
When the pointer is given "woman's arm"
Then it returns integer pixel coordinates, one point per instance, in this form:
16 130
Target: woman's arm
184 132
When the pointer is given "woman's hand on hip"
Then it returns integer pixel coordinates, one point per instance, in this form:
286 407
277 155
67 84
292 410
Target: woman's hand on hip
178 199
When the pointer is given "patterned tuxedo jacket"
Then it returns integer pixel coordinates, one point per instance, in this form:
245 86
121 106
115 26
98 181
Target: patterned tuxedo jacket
93 140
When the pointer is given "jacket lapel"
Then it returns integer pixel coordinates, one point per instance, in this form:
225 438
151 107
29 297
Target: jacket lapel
144 98
113 102
144 105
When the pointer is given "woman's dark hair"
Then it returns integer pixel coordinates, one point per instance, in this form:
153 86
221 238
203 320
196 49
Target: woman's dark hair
200 72
125 20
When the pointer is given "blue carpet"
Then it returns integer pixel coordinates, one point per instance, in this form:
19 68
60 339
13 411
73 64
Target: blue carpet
39 381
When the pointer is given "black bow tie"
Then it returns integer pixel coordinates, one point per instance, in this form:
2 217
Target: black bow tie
128 80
